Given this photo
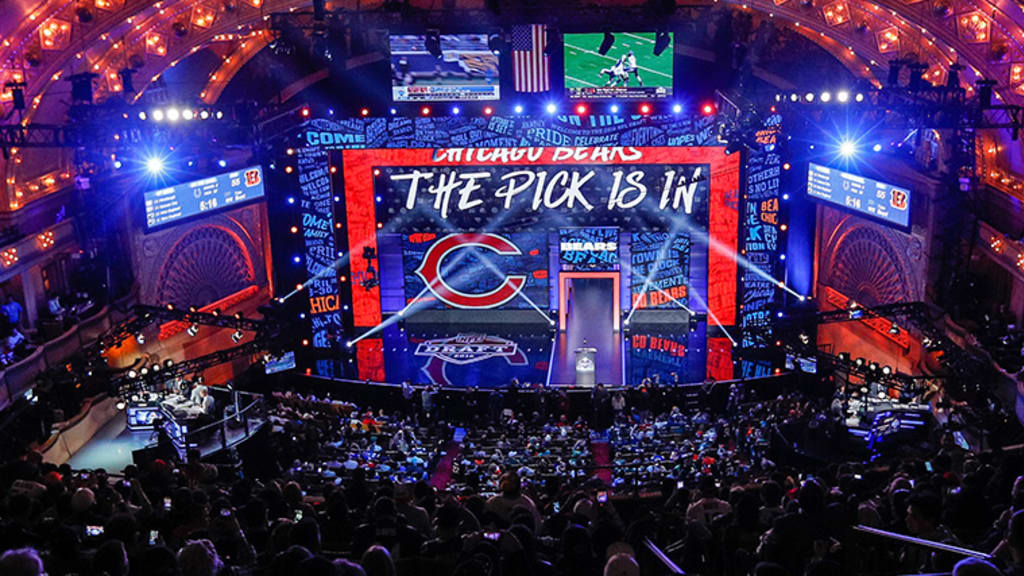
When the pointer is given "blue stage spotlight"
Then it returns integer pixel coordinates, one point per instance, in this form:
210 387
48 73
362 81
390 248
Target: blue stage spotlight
393 111
847 148
877 148
614 109
677 108
222 163
291 199
155 165
518 109
296 259
843 96
455 110
551 108
117 164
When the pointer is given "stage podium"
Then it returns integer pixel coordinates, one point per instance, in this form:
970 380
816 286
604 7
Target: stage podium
585 374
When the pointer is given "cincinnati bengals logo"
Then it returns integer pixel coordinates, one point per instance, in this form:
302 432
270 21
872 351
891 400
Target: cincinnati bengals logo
430 271
898 199
252 177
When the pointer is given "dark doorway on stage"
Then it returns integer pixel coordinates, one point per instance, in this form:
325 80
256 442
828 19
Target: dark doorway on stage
589 317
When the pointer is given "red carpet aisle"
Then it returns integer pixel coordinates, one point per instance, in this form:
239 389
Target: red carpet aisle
443 473
602 457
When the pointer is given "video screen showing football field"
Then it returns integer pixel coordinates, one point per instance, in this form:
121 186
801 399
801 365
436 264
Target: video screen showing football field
629 69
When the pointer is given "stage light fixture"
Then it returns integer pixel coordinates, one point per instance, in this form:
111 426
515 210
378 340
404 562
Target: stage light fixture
887 370
142 116
132 374
894 329
606 43
222 163
645 108
826 97
364 112
120 405
614 109
877 148
551 108
677 108
291 199
859 362
192 330
844 356
873 366
809 97
518 109
581 109
488 110
425 111
204 114
847 148
117 164
155 165
187 114
158 115
859 97
305 112
237 336
843 96
707 109
393 111
661 42
173 114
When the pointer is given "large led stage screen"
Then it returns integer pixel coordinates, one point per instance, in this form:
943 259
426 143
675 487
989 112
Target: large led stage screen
483 228
466 69
629 68
475 270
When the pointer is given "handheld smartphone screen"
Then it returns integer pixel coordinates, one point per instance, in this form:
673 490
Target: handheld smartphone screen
602 496
492 535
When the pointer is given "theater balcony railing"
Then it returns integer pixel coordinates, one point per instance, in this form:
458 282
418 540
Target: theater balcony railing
19 377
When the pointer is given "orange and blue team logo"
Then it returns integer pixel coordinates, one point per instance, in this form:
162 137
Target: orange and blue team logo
252 177
898 199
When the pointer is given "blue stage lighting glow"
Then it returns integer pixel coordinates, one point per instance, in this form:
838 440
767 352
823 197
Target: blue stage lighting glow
291 199
222 163
785 196
455 110
155 165
393 111
877 147
296 259
551 108
677 108
518 109
614 109
847 148
117 164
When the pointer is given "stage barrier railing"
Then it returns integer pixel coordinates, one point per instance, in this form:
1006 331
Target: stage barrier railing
244 417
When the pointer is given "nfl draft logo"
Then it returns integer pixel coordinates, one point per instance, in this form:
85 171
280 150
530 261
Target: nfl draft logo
468 348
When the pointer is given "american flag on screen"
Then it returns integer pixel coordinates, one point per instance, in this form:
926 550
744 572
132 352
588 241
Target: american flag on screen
530 63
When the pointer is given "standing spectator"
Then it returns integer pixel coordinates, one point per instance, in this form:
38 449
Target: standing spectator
708 506
13 310
618 404
599 401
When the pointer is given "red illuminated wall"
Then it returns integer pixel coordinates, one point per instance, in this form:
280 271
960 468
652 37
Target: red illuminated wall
723 217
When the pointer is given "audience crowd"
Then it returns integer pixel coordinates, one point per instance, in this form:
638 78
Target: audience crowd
515 484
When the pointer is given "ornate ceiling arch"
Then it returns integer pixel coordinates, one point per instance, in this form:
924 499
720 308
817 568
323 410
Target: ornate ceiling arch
56 38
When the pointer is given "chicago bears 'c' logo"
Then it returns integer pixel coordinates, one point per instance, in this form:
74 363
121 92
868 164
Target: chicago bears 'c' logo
430 271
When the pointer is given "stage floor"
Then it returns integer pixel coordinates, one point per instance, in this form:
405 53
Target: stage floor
489 356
